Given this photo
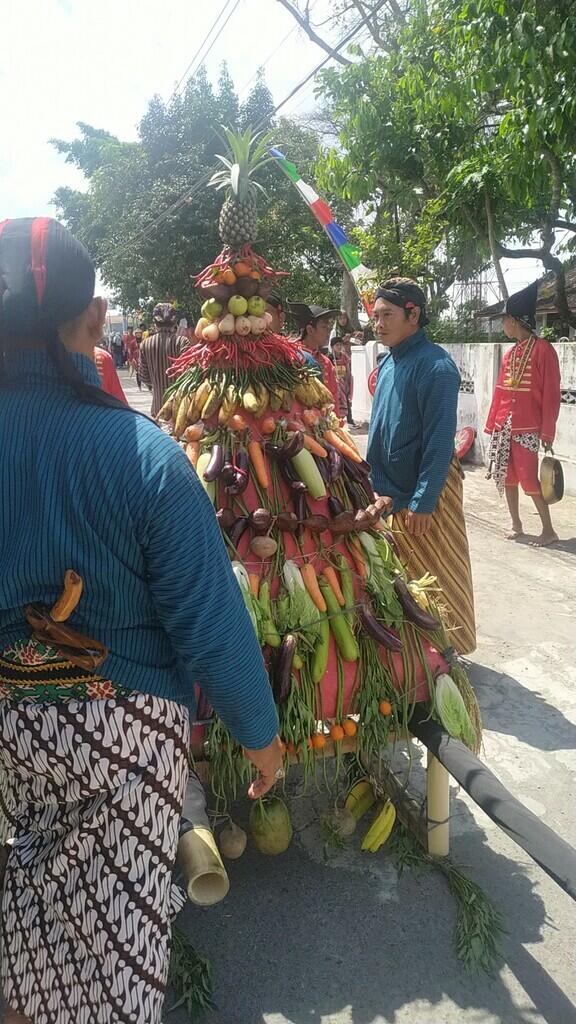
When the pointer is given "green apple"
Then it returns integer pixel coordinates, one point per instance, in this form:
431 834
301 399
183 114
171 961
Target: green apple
211 309
237 305
256 306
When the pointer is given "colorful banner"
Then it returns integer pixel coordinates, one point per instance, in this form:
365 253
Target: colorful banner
364 279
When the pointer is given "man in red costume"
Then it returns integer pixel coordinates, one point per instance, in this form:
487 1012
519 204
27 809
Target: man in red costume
524 412
315 325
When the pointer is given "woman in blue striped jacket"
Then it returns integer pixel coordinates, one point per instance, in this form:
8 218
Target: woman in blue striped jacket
94 712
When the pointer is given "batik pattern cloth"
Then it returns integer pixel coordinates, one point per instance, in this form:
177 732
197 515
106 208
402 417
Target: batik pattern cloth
91 796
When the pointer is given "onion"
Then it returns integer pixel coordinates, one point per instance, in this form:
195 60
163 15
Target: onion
263 547
232 841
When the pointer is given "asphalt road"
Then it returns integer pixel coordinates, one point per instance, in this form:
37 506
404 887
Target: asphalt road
299 940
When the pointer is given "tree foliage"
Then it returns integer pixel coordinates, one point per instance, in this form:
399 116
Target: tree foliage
149 218
458 136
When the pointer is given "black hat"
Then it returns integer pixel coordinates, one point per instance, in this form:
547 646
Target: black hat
522 305
404 293
305 314
46 277
164 314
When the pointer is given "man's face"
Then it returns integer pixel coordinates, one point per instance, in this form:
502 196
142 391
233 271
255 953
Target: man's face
510 326
318 333
393 324
278 318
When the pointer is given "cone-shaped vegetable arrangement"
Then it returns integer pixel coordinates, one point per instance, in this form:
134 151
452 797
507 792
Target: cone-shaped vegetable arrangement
351 644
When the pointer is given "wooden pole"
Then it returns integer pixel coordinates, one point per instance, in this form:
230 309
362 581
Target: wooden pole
438 807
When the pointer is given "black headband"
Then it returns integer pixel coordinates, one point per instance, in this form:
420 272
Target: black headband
406 296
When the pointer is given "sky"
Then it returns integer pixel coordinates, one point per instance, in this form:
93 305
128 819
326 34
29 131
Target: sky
100 61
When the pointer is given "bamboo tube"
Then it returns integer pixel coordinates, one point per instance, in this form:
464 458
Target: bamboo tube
438 807
199 861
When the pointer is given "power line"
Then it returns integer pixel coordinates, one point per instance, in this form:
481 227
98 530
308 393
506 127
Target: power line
205 40
204 179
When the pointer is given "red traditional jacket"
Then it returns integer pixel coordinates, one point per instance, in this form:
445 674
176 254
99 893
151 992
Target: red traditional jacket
528 386
108 376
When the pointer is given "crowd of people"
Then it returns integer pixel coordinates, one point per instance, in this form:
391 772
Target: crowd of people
95 723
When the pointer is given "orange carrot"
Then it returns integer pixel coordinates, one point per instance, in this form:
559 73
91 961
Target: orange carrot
254 583
318 741
259 463
337 733
193 452
347 438
358 556
385 708
350 727
336 441
314 446
311 583
329 573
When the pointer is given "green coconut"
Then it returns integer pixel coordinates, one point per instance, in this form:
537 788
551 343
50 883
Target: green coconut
270 826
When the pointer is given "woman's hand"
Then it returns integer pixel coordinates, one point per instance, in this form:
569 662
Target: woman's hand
269 762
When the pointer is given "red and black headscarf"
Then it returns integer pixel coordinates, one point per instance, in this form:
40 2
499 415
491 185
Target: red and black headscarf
406 294
46 279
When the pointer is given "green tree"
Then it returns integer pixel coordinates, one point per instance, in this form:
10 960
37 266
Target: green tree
149 218
458 136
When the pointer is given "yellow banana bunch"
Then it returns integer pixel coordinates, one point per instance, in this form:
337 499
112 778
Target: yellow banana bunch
198 399
380 828
212 402
276 398
323 395
250 401
263 396
181 420
229 406
360 798
306 395
166 410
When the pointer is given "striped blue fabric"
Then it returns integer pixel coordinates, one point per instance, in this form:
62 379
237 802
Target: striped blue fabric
413 423
106 493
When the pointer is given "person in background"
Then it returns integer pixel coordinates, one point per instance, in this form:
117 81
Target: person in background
524 412
108 374
132 348
117 350
342 327
275 306
158 350
315 324
411 451
127 339
95 711
340 354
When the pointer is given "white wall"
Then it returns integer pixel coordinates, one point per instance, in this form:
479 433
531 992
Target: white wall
479 365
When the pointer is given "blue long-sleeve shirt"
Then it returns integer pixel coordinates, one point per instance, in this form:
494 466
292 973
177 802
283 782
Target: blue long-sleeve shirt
413 423
106 493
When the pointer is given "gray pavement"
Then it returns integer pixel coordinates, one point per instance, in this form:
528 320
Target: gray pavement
298 940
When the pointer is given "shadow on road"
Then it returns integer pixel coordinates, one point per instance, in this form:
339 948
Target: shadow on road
299 941
510 708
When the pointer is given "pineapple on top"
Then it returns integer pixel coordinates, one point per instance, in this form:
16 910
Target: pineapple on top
238 223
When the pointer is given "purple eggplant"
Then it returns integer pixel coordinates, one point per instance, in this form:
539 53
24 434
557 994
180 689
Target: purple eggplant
226 518
391 540
334 462
357 501
323 469
288 472
300 504
293 446
214 467
238 529
414 613
228 473
376 630
282 677
335 506
241 474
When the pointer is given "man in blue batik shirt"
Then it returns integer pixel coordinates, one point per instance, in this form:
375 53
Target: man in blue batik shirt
411 451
